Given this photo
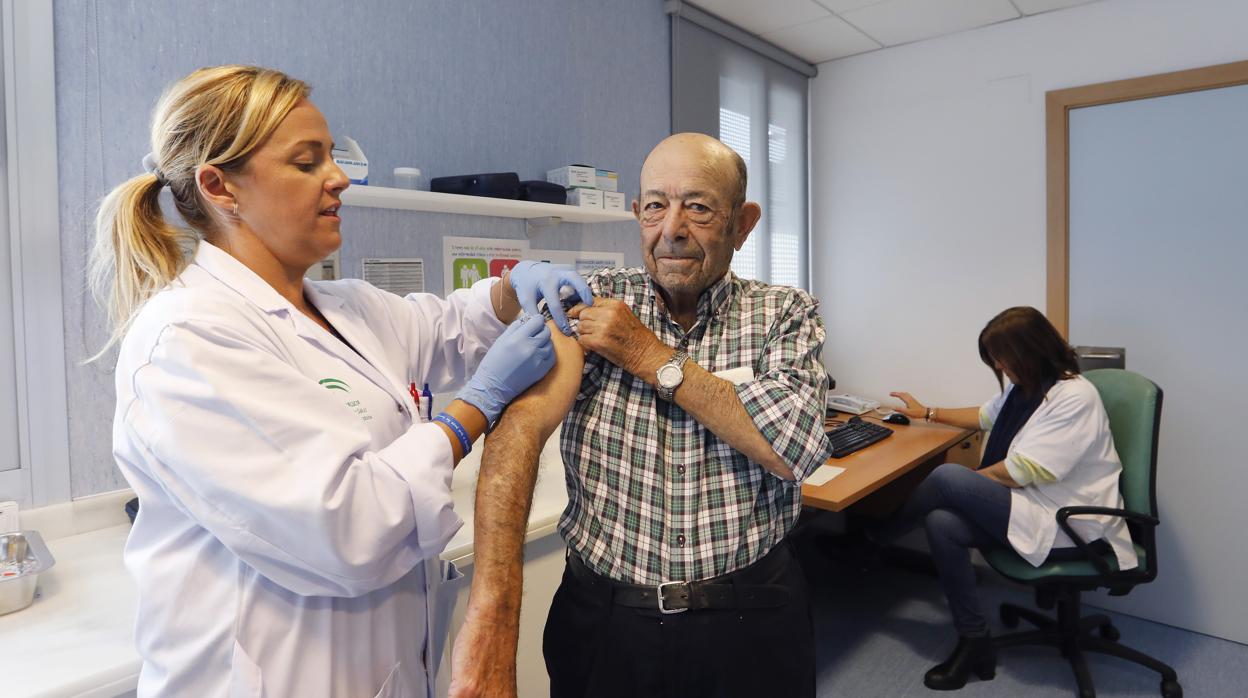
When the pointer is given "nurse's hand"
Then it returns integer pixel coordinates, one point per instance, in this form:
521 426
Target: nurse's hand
518 359
534 281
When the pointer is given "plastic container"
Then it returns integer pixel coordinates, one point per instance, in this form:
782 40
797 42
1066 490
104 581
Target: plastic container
22 557
407 178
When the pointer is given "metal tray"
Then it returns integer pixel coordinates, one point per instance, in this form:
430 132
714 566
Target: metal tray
22 557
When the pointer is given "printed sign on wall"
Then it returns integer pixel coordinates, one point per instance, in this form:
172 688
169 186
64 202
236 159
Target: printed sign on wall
584 262
468 260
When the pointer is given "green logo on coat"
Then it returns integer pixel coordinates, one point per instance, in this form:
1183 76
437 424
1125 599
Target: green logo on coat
335 384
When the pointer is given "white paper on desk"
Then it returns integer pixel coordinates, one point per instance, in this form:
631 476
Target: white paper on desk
823 474
736 376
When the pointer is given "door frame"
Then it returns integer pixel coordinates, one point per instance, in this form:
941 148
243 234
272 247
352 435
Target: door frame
1058 104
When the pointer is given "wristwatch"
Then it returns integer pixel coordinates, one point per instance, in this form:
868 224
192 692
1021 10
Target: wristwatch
671 374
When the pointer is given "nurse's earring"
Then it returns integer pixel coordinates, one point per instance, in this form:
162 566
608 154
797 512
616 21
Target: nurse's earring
236 209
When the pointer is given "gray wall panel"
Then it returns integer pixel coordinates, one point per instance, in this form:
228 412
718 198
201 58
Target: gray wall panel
450 87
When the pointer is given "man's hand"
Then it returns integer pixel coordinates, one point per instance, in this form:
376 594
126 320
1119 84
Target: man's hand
483 662
609 329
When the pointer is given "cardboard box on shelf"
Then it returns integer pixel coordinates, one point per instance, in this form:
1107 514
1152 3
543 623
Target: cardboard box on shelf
573 176
606 180
585 198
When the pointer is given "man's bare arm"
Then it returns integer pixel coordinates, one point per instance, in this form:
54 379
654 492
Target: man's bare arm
484 657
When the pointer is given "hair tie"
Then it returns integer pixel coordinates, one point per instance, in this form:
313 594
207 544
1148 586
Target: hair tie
149 166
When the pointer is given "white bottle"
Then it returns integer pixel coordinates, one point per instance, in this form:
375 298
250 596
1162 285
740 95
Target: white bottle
407 177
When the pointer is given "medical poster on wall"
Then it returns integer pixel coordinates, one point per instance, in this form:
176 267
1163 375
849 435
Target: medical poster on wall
585 262
399 276
468 260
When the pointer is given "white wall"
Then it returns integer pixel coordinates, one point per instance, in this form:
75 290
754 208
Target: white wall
929 217
927 179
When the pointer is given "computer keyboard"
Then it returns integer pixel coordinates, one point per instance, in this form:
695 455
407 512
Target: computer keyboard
854 435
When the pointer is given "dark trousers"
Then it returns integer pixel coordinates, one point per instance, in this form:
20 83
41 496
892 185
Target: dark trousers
596 647
960 509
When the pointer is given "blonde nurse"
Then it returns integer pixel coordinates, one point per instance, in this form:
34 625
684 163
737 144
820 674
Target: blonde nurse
293 505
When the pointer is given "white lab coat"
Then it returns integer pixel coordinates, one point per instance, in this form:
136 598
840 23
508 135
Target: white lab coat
1068 436
292 509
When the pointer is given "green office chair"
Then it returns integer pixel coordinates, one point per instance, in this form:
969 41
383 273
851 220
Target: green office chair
1134 406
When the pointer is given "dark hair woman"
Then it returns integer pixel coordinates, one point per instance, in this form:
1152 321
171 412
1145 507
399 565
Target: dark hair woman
1049 446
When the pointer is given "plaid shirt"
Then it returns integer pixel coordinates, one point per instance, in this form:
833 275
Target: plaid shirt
653 495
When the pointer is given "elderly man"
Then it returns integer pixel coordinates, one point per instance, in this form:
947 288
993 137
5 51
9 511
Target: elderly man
700 410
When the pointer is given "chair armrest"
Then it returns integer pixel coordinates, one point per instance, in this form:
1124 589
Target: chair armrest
1066 512
1101 566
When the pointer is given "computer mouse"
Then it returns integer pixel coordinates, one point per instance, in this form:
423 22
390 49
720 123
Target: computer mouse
897 418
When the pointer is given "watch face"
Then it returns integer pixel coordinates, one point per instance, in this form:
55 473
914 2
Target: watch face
670 376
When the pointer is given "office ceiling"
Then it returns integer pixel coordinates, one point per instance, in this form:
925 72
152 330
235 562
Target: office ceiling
824 30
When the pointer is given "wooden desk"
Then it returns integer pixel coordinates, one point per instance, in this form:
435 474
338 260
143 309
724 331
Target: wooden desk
875 466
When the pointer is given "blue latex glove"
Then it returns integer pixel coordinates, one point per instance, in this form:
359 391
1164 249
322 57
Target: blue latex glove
535 281
519 358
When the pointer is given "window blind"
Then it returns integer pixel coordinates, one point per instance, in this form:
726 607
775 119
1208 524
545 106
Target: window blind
756 106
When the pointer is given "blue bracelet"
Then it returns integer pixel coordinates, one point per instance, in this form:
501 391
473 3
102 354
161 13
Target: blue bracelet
460 432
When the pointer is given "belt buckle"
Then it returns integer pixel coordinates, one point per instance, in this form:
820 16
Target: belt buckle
663 609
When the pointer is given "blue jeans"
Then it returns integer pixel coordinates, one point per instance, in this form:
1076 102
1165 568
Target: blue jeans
960 509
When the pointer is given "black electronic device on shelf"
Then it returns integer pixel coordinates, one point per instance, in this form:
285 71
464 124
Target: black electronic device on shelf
497 185
543 192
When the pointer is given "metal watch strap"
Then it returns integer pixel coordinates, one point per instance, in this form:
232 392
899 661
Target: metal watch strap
678 360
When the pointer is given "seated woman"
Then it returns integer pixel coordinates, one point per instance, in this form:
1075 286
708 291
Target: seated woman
1049 446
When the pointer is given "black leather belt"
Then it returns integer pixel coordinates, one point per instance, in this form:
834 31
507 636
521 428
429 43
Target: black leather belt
728 591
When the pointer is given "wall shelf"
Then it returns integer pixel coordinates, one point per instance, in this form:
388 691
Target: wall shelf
436 202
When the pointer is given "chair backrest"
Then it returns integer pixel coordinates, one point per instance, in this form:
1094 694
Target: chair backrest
1133 404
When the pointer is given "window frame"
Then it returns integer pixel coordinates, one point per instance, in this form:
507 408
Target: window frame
31 229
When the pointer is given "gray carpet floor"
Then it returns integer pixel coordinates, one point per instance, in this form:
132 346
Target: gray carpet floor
877 631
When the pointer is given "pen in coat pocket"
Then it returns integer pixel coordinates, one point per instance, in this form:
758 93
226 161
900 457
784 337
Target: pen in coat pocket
411 388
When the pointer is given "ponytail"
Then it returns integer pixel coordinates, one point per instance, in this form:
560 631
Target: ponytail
214 116
136 252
